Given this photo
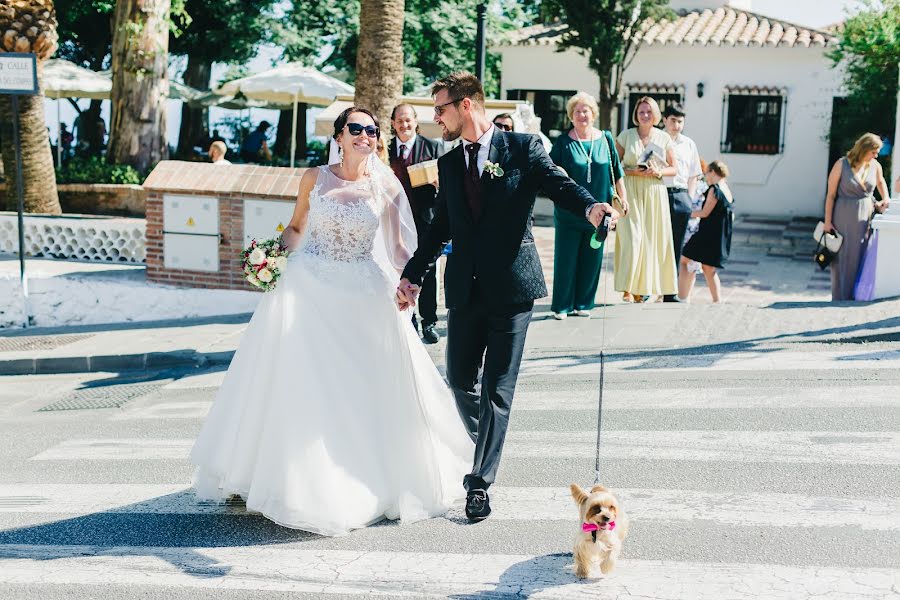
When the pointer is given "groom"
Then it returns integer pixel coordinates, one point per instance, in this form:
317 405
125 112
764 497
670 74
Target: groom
484 204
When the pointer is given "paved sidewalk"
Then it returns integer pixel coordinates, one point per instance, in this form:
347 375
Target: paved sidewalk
773 293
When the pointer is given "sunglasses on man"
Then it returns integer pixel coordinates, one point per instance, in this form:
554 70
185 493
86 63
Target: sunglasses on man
357 128
503 126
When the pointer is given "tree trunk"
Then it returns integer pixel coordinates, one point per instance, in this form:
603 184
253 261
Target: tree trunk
90 135
38 174
283 135
379 57
140 83
195 120
606 103
28 26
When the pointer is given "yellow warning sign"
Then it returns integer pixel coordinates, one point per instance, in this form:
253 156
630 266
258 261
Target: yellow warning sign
280 228
190 222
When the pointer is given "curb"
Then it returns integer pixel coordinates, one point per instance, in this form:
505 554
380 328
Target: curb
120 362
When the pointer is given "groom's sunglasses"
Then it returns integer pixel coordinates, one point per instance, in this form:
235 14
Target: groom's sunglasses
357 128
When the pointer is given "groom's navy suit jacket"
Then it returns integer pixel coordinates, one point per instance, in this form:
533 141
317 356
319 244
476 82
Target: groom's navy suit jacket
498 250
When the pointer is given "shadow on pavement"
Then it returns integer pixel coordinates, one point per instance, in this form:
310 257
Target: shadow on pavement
529 577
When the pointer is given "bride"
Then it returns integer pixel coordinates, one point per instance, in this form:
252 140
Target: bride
332 416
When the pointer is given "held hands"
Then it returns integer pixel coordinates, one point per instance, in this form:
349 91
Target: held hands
407 294
599 210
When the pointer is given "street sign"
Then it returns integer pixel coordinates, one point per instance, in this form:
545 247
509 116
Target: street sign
18 77
18 73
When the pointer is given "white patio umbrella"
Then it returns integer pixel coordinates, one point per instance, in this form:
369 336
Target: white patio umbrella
289 84
64 79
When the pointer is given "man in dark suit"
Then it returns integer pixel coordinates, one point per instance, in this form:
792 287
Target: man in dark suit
486 196
406 149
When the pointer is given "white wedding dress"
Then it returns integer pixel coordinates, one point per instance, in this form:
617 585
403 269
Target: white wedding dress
332 415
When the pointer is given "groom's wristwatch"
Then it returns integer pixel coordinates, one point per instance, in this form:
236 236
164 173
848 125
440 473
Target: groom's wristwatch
587 211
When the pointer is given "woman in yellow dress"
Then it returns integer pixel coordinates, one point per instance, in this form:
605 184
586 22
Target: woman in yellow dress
645 260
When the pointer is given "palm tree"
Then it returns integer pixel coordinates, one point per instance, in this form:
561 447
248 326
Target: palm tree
379 56
29 26
140 55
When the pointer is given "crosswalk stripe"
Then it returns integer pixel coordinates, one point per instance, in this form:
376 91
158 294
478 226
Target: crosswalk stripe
510 504
881 448
705 398
613 399
760 361
413 574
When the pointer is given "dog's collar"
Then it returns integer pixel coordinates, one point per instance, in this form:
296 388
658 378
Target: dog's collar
593 528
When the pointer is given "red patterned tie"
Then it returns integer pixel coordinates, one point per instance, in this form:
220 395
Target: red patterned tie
473 181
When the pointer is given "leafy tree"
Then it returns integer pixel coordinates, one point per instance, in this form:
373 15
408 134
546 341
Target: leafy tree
85 38
210 31
439 38
869 52
607 32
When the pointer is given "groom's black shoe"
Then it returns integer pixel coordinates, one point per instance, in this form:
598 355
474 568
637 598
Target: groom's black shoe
429 334
478 505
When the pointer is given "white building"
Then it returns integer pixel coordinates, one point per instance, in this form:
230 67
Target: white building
759 94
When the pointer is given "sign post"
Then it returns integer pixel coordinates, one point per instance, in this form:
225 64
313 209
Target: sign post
18 77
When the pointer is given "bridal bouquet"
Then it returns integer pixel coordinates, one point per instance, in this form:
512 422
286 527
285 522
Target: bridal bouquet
264 262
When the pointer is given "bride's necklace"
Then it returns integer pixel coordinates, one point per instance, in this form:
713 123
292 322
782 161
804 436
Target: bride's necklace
587 153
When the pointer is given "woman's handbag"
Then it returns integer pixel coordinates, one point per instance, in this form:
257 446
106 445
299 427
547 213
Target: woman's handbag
824 256
827 246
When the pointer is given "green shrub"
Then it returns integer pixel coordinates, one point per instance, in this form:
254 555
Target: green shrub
96 170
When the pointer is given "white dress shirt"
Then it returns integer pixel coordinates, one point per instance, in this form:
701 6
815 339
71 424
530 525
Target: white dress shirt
687 162
485 141
408 143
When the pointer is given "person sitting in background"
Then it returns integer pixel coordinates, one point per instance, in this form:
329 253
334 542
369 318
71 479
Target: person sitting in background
217 151
255 147
711 245
505 122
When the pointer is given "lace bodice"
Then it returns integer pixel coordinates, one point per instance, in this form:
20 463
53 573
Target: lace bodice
343 219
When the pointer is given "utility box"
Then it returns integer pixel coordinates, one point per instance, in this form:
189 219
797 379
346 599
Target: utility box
201 216
887 275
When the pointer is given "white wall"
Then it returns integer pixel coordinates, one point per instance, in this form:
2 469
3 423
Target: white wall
792 183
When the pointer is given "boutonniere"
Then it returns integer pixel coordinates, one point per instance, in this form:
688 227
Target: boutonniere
493 168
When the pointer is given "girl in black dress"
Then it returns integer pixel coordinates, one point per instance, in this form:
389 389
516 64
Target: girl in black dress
711 245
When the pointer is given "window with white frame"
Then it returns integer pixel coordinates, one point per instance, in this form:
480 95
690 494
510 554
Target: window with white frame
753 120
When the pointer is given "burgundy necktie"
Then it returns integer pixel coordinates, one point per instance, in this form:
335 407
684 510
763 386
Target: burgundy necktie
473 181
404 154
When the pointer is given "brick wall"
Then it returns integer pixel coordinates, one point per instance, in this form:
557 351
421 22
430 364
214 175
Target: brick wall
231 184
99 199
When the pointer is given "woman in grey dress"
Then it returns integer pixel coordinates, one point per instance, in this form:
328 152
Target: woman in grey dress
848 208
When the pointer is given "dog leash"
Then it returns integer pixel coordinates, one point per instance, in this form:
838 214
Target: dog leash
602 347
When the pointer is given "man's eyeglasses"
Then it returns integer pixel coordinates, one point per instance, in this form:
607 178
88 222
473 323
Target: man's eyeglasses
503 126
357 128
439 108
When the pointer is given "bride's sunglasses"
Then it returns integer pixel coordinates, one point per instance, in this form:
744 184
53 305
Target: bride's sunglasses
357 128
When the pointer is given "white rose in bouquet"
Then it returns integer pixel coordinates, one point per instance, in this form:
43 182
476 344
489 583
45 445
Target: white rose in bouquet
257 257
270 262
265 275
280 263
252 279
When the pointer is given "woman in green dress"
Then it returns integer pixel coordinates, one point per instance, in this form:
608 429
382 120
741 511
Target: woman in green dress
645 256
587 154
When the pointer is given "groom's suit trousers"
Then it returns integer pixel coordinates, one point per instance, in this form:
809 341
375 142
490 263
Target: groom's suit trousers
493 337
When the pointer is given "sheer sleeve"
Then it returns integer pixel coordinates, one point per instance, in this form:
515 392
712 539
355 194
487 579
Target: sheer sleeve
397 230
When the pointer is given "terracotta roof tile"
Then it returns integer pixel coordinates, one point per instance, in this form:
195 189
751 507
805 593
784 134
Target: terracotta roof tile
720 27
177 176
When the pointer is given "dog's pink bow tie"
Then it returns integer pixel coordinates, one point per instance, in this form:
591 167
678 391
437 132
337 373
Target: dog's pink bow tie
589 527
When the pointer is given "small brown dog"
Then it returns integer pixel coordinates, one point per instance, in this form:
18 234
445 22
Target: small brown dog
601 532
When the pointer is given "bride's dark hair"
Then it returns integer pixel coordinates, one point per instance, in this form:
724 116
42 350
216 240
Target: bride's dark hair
342 119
